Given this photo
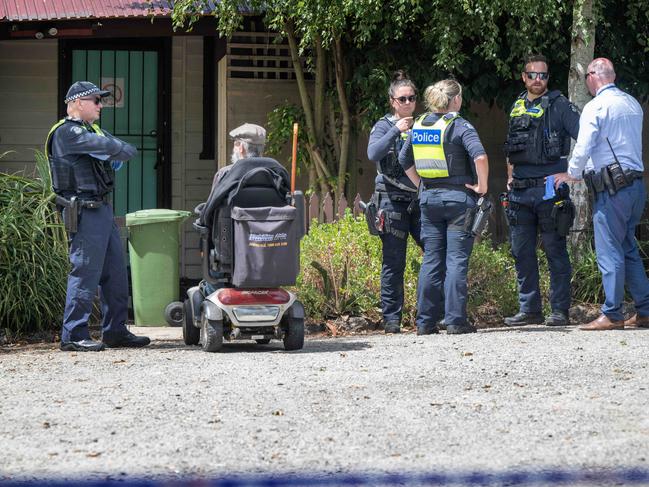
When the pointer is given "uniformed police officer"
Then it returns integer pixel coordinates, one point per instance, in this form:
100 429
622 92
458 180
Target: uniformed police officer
82 158
541 123
443 152
609 147
395 195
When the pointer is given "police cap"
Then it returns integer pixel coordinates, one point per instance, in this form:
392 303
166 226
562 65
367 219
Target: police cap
251 133
81 89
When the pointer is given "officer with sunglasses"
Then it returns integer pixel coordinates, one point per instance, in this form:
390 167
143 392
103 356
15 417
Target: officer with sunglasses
81 157
541 123
395 197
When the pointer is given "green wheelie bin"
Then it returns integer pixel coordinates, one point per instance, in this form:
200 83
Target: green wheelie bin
153 242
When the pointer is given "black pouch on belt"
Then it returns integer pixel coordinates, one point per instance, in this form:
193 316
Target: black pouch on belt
70 213
617 178
563 214
481 217
371 214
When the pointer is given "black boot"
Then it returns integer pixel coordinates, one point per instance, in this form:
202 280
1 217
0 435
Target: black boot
558 318
86 345
392 326
460 329
123 340
521 319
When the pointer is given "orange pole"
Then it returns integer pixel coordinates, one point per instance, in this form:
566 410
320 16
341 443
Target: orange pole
294 160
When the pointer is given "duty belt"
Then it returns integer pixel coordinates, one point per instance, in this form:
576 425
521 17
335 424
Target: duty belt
528 183
455 187
83 202
600 181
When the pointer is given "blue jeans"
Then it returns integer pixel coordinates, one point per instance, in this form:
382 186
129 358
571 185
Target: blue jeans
528 214
97 262
615 218
394 256
442 286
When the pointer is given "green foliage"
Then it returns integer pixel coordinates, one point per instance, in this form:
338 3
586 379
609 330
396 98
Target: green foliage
33 256
341 269
492 283
586 279
280 133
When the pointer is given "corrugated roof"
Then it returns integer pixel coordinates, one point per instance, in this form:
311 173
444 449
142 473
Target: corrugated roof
22 10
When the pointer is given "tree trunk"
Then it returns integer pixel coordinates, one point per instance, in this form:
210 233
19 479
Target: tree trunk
582 49
345 132
320 87
323 171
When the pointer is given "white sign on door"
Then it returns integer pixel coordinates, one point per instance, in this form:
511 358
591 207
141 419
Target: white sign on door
116 88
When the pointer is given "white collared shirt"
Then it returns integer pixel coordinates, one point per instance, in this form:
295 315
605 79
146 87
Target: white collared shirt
615 115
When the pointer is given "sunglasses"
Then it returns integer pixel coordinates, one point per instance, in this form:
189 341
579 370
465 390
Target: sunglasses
533 75
403 99
96 100
588 74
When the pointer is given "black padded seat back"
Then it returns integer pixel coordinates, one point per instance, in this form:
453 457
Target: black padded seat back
259 187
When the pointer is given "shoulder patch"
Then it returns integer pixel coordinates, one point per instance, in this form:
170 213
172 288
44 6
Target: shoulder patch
468 125
77 130
574 108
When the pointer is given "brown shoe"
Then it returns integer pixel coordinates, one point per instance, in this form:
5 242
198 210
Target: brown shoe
637 322
603 323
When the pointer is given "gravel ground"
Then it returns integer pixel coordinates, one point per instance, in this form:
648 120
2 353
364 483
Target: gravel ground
497 400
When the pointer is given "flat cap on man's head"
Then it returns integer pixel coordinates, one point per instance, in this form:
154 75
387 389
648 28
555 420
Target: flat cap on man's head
81 89
251 133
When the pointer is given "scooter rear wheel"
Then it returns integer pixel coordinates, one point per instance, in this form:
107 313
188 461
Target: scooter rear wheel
211 334
191 334
294 334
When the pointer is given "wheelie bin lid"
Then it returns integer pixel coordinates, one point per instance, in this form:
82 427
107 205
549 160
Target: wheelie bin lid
157 215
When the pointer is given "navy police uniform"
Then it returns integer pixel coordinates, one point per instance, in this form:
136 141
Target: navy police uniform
81 158
538 141
397 198
444 201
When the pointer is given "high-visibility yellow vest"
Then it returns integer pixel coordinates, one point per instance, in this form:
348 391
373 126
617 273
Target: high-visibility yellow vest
534 111
428 146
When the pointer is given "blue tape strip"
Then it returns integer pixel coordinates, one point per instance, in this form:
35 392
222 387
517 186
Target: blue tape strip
628 476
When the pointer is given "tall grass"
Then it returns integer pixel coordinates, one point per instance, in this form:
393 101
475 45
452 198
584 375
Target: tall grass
33 253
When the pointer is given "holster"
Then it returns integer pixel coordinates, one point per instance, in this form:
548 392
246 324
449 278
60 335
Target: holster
371 214
563 214
70 213
481 216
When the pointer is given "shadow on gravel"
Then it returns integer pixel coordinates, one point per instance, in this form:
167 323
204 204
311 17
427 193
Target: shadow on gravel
543 328
310 346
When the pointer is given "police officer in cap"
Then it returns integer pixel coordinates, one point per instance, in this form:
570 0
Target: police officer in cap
395 195
82 160
541 123
445 158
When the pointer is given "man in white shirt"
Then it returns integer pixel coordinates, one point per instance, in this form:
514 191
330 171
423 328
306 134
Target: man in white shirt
609 147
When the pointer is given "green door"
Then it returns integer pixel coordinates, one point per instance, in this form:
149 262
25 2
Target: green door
130 114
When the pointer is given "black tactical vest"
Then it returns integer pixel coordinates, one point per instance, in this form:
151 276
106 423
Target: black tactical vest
79 173
531 139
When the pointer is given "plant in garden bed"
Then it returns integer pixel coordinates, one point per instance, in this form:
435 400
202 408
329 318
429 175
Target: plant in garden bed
341 272
33 254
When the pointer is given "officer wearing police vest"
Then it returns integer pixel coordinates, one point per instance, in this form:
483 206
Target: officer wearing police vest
445 158
82 160
394 198
541 123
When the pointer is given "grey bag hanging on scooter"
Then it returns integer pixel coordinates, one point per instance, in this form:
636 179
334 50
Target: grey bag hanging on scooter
266 246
